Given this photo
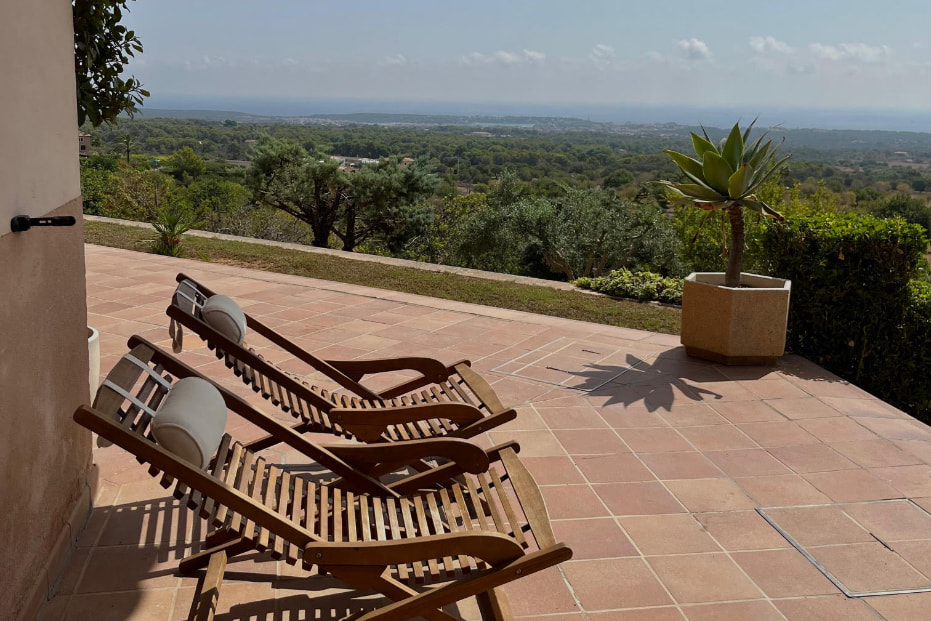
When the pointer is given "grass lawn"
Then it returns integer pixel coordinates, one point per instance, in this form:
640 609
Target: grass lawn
532 299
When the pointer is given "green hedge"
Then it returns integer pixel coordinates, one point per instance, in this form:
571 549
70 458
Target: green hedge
854 308
644 286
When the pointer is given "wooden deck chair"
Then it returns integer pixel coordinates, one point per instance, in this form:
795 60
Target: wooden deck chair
359 465
422 551
443 401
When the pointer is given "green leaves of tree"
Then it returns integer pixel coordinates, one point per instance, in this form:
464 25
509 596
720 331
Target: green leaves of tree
102 49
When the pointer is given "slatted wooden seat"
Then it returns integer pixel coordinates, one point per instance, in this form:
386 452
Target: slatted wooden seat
405 466
442 401
422 550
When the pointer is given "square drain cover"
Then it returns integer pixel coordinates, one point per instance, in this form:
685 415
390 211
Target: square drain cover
572 363
865 548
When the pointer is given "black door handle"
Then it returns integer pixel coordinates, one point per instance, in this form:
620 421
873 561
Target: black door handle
23 223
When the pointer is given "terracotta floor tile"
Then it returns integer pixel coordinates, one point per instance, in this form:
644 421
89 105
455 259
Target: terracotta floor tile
875 453
590 441
256 600
637 498
892 521
782 490
667 534
852 486
693 465
552 470
615 583
896 429
727 391
803 408
747 412
542 593
830 608
662 613
532 443
775 388
758 610
633 417
571 418
126 606
742 530
695 578
572 501
778 434
869 407
919 448
691 415
784 573
909 607
811 458
139 568
700 495
717 438
656 440
812 526
747 463
912 481
613 468
916 553
594 538
837 430
866 567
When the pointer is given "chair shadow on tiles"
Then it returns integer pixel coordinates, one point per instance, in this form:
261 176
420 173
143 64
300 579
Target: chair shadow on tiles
326 599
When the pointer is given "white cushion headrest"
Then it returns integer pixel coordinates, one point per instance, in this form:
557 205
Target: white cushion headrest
224 315
190 420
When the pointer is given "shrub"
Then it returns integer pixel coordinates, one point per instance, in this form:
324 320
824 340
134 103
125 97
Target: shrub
853 306
644 286
171 223
913 360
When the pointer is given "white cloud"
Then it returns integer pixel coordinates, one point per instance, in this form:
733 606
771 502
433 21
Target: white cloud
502 57
395 60
602 52
859 52
695 49
534 56
769 45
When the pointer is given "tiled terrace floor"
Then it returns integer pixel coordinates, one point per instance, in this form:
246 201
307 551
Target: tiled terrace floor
652 465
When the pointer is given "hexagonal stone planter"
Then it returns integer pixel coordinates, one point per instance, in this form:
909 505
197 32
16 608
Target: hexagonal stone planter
735 326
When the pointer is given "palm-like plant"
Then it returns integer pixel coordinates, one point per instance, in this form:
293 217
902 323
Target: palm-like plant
726 177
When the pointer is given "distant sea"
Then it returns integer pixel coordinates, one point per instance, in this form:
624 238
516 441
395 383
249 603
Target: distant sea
724 116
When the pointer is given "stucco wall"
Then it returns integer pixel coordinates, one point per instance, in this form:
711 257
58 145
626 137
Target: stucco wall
44 456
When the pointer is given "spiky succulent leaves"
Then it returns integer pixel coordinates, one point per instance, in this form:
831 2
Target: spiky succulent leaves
702 144
690 166
716 172
738 182
733 149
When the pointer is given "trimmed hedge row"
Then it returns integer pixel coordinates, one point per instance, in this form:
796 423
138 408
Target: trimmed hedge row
855 309
644 286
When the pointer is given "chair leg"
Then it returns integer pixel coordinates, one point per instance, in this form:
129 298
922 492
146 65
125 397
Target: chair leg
201 559
376 578
207 597
428 603
494 605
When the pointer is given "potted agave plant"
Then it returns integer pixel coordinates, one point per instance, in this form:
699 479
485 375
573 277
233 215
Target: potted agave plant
731 317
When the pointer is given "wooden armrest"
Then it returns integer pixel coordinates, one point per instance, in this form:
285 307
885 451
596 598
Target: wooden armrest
432 370
529 497
491 547
467 456
368 424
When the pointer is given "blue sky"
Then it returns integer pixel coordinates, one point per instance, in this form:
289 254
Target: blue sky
808 54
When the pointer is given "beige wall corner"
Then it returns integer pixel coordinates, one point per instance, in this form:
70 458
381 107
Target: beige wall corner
44 456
